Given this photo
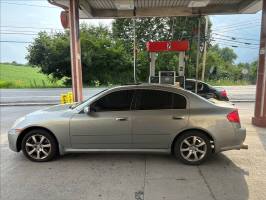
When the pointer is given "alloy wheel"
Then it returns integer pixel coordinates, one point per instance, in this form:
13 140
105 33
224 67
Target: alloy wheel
38 147
193 148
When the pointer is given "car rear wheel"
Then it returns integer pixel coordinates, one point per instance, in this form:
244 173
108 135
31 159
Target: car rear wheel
192 148
39 145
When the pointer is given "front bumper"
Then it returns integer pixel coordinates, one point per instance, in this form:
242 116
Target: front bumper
12 140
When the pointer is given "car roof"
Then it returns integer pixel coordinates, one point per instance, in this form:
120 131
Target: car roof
162 87
150 86
194 80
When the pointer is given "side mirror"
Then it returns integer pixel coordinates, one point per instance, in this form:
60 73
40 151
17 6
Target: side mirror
87 110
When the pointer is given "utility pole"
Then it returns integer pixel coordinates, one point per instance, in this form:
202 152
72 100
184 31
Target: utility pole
134 49
205 48
76 69
198 57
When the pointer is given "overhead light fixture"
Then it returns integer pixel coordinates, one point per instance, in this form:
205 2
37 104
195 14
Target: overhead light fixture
124 5
198 4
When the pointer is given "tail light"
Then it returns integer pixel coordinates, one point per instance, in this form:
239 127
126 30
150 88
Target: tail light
223 93
233 117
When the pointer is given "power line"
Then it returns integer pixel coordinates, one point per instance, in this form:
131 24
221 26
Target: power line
20 31
25 4
239 23
32 27
234 45
9 33
245 32
14 32
235 41
237 27
13 41
234 38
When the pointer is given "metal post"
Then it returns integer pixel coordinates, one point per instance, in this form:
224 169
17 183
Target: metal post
198 57
205 48
259 118
181 64
75 50
152 63
134 27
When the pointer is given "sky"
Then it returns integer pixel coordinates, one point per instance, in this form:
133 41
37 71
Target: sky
21 20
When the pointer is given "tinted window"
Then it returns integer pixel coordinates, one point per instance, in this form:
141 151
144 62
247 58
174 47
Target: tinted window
155 100
190 85
180 102
115 101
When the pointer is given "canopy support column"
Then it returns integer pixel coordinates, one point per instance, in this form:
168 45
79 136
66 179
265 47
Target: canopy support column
75 50
259 118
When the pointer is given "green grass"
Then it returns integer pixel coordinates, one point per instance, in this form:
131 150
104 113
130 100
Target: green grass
227 82
23 76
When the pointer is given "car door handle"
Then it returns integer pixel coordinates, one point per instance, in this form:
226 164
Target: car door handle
178 118
121 119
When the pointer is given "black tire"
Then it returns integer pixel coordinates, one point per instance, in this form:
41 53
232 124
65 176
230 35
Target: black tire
188 136
48 145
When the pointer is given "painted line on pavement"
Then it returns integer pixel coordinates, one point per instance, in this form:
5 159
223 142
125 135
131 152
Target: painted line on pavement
3 139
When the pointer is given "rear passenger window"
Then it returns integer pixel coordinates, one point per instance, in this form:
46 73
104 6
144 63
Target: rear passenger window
157 100
180 102
153 100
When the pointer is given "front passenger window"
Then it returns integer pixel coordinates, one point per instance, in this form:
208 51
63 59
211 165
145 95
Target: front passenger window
115 101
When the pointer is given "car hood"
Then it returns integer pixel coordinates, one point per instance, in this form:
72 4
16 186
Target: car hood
41 117
53 110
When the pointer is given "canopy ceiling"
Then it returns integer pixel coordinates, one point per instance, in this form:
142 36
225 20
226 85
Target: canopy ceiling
150 8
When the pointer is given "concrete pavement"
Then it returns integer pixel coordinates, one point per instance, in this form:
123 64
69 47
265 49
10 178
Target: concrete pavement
52 96
232 175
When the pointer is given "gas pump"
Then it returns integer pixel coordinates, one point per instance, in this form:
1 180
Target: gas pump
167 77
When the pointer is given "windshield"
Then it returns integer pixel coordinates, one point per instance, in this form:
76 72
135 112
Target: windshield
82 102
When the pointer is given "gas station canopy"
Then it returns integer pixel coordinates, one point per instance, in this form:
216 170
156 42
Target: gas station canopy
151 8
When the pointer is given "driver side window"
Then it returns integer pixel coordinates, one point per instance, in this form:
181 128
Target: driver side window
115 101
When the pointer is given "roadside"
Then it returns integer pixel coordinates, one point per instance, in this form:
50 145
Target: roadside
51 96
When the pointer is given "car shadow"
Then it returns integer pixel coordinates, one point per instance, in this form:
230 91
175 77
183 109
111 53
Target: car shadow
218 178
223 178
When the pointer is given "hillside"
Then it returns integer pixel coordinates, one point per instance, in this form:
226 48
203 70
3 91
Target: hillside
23 76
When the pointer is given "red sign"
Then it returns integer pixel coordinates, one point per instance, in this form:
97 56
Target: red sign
65 19
182 45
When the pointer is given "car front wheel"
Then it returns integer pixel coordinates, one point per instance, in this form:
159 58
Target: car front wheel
39 145
192 148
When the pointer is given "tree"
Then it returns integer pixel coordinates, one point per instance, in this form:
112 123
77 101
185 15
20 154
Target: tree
103 59
222 59
107 56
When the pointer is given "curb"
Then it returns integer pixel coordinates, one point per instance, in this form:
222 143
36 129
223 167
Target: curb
28 104
242 101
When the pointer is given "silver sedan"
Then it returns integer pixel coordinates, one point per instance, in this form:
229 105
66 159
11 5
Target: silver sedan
133 118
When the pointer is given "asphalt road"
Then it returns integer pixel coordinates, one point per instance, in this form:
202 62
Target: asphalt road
232 175
235 93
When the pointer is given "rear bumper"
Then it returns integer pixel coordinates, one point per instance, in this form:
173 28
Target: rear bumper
240 136
237 147
12 139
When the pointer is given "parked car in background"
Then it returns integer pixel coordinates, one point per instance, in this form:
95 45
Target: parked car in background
133 118
205 90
